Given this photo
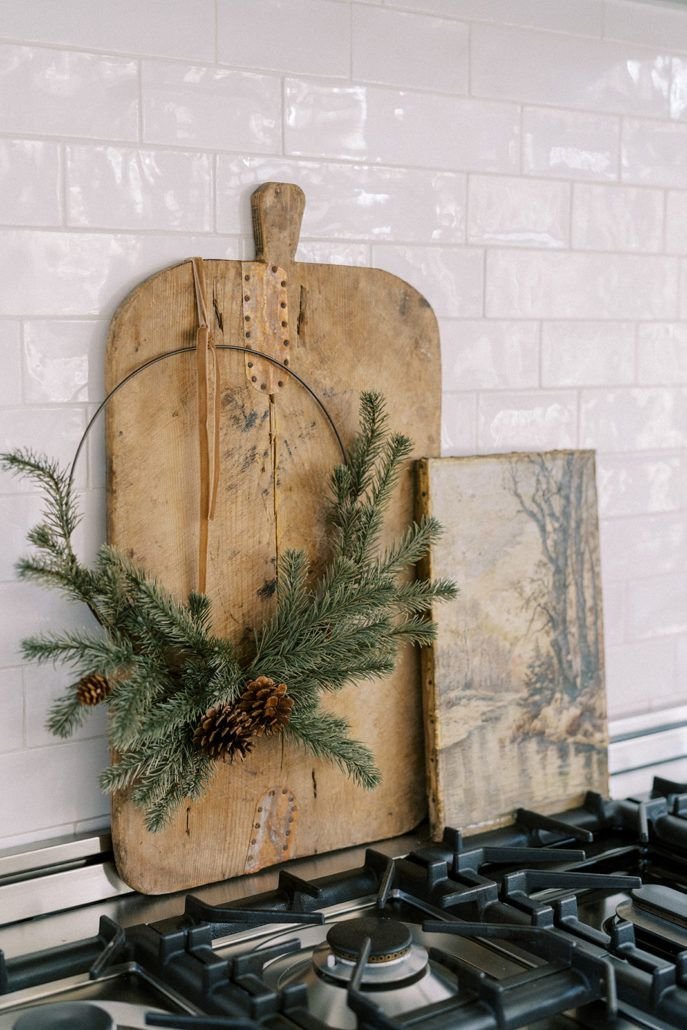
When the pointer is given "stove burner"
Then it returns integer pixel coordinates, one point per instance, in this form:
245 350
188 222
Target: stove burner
389 939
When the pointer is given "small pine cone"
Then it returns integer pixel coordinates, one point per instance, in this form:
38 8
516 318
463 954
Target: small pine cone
266 704
93 689
224 732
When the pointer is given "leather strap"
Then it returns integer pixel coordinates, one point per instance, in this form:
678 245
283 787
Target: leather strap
207 369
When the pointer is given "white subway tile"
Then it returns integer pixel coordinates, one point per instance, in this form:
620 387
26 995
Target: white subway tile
20 840
449 277
63 361
18 513
577 16
676 222
330 252
409 50
211 107
459 423
681 661
596 75
614 605
44 685
10 361
662 353
640 677
617 218
634 419
678 89
570 144
637 484
350 200
29 610
139 189
58 785
61 93
55 431
527 421
486 354
643 545
521 212
29 182
653 153
61 274
656 25
11 709
656 606
554 284
301 37
175 28
391 126
587 353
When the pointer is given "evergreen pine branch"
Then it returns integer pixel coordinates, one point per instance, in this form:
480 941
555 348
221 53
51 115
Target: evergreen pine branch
326 736
200 610
61 514
417 597
66 714
81 650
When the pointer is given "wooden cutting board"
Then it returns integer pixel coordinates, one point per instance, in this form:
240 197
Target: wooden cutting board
342 330
514 683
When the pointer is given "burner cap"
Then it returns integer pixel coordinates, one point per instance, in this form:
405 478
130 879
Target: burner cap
390 939
65 1016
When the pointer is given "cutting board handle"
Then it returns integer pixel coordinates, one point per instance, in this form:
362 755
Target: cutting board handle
277 209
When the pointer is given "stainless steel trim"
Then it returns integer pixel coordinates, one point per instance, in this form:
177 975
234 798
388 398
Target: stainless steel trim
59 851
59 891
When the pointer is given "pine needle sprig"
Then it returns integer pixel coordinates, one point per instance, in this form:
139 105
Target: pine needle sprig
326 736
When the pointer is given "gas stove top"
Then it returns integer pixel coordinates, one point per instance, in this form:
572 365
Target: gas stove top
574 921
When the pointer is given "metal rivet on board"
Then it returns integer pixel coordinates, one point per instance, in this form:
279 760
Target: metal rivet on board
274 268
250 365
253 379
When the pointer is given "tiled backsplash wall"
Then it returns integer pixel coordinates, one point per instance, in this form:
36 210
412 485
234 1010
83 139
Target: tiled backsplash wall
522 162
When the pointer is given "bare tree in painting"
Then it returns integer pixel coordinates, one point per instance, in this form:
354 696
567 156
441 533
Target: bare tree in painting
554 492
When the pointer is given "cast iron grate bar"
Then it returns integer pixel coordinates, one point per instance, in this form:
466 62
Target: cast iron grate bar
219 914
364 1009
179 1021
113 950
477 857
536 821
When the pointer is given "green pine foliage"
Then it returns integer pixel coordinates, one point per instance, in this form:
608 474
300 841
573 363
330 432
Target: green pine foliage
166 667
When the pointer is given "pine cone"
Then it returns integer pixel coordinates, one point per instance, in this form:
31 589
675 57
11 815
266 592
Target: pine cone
266 705
93 689
224 732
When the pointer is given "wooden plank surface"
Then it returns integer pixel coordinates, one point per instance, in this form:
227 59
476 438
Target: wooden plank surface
348 329
514 692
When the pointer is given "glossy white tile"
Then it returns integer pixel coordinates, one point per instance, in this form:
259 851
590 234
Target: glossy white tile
449 277
459 423
18 513
59 785
175 28
65 93
350 200
630 667
662 353
588 353
63 361
392 126
614 606
534 66
651 24
636 484
122 188
656 606
486 354
211 107
617 218
29 182
535 420
556 284
52 430
11 709
643 545
29 609
633 419
653 153
409 50
331 252
62 274
570 144
10 363
577 16
301 37
516 211
676 222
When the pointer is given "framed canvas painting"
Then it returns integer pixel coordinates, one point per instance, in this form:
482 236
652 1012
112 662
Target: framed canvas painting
514 693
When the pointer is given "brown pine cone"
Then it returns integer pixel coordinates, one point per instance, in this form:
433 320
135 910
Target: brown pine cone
224 732
92 689
265 703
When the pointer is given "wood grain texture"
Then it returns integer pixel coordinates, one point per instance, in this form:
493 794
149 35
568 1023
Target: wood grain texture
514 696
350 329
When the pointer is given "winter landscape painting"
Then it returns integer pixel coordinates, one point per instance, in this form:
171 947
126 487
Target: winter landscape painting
514 691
